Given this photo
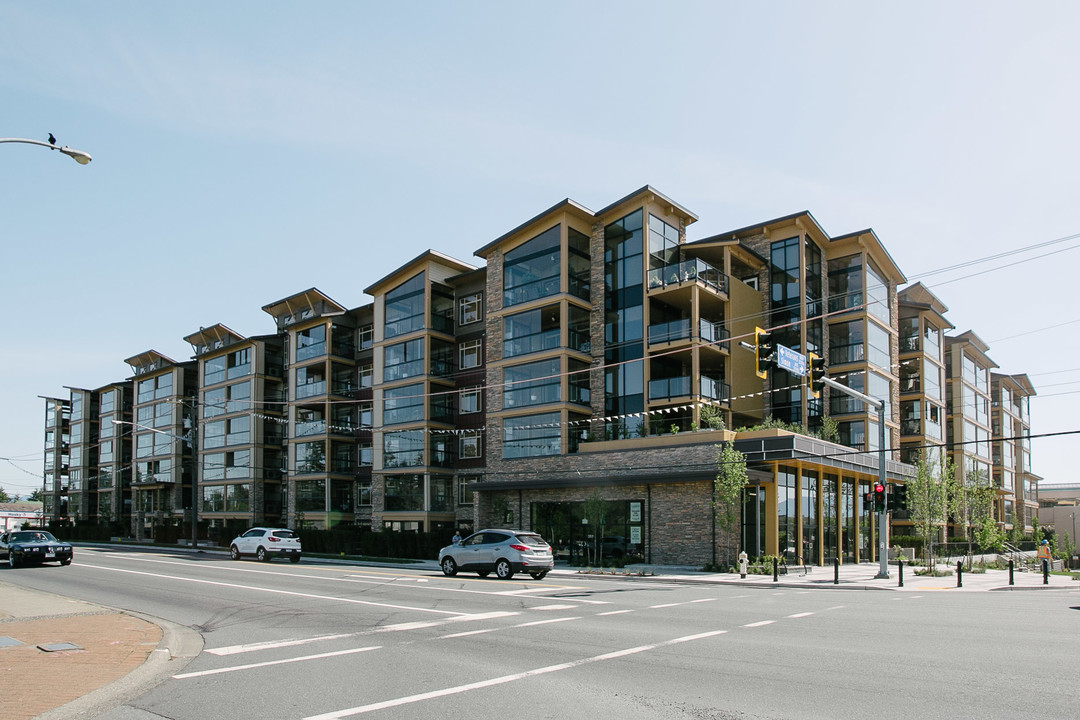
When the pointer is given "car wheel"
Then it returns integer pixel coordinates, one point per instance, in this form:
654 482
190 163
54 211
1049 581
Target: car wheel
234 552
294 558
503 570
449 567
11 559
483 573
66 562
539 574
261 555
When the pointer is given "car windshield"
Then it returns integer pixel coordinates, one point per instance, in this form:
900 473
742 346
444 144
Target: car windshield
532 540
29 537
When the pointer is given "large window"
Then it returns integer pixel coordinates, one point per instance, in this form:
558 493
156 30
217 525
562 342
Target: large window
404 493
877 295
532 435
403 360
311 343
310 381
469 447
580 264
531 270
311 457
470 354
845 283
531 331
469 400
470 308
405 308
227 465
311 495
878 338
846 344
157 388
403 404
624 379
403 449
534 383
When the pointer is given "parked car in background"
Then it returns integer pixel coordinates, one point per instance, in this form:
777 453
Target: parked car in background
503 552
266 543
25 547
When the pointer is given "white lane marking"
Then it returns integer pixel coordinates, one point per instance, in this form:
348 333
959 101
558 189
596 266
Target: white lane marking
835 607
255 647
471 632
397 702
546 622
373 579
704 600
614 612
554 607
276 591
665 605
270 645
760 623
799 615
202 673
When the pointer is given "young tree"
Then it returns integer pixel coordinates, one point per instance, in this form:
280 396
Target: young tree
4 497
927 495
595 505
971 498
728 487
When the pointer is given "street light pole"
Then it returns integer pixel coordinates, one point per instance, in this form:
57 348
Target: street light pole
883 516
77 155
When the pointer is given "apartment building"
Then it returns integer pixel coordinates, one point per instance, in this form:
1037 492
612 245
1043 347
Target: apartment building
1017 487
593 356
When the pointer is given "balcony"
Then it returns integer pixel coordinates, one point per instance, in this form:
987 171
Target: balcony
714 389
669 331
689 271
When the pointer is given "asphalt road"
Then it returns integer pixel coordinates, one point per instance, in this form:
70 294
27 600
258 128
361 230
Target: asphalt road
327 641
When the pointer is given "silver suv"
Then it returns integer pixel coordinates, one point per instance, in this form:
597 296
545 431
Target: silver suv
503 551
265 543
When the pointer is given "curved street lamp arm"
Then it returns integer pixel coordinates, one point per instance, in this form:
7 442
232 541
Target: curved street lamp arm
77 155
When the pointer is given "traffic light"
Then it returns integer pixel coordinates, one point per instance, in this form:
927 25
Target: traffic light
816 369
899 495
879 497
763 352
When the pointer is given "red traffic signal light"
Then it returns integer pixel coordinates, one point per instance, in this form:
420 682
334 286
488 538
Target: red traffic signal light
879 497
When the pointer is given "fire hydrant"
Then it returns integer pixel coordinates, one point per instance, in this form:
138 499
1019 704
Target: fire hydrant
743 562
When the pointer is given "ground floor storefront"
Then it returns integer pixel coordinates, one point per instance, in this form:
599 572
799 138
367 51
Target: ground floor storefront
804 502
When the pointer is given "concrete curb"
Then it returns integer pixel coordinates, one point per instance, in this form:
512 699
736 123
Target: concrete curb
178 646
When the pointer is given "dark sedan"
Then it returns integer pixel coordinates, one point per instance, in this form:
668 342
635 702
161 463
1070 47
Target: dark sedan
24 547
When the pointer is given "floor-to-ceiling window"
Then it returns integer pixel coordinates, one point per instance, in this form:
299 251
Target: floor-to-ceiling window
785 291
811 548
624 376
787 512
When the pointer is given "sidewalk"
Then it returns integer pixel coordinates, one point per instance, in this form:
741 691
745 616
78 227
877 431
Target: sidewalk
55 651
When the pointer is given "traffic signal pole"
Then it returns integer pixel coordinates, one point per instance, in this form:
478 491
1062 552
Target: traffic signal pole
883 515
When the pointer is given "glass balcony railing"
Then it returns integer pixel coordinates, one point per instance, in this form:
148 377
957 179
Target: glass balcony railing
311 389
669 387
712 332
694 270
714 388
666 332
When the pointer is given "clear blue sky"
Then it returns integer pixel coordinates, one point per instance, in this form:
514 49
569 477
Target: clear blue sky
245 151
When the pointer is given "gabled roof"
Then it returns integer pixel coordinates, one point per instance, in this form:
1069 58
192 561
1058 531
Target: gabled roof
413 266
918 295
567 205
973 342
149 361
215 337
310 303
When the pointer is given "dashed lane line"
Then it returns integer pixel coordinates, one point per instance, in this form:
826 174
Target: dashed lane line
410 699
219 671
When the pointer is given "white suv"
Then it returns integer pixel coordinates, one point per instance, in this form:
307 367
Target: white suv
265 543
503 551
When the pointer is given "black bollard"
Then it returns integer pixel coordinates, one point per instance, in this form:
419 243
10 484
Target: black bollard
900 566
959 573
1010 571
775 570
836 571
1046 572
